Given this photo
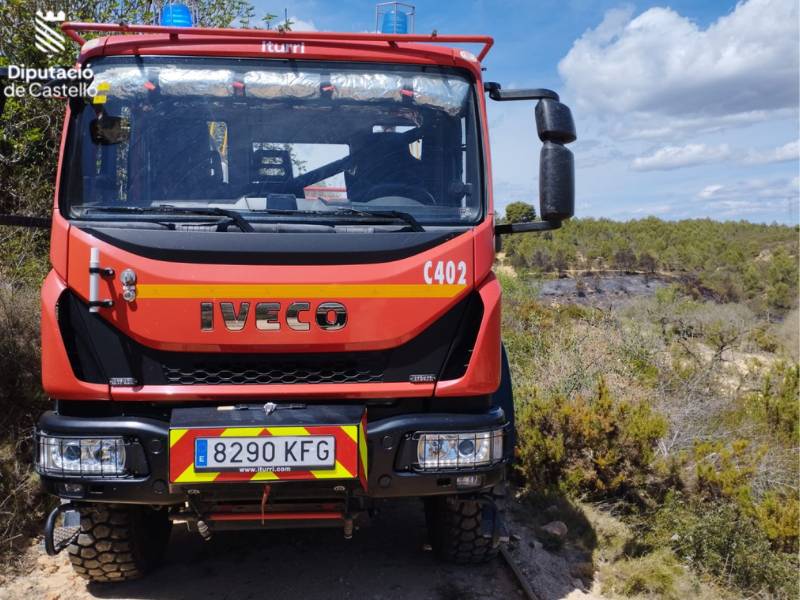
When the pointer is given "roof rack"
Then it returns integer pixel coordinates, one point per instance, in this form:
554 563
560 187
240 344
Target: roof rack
72 29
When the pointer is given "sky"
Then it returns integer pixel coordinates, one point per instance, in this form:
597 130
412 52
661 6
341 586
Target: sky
684 110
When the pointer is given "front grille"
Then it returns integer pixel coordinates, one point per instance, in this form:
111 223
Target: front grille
99 353
209 373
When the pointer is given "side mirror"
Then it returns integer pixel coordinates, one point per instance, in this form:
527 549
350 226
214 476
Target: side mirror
108 131
555 127
556 164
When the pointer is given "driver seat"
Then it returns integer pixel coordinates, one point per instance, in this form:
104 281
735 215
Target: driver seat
384 158
187 166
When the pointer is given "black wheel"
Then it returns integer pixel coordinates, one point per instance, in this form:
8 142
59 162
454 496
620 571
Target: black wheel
454 529
118 542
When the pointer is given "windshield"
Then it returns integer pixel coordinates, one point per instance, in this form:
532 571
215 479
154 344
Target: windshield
274 139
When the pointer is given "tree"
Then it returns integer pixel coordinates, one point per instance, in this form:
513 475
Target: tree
625 259
520 212
30 127
647 262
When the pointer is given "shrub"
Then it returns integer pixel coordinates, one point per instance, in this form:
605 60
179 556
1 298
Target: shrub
721 539
764 339
778 515
725 471
596 445
777 402
21 401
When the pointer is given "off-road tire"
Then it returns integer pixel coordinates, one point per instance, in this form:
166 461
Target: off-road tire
118 542
454 530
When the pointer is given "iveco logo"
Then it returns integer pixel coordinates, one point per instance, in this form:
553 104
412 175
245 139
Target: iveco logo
329 316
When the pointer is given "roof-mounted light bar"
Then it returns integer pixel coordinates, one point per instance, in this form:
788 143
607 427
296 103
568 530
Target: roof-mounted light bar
73 29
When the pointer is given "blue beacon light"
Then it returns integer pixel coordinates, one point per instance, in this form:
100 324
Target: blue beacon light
176 15
394 21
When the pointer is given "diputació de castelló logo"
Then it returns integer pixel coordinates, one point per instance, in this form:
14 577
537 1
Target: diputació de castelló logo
49 38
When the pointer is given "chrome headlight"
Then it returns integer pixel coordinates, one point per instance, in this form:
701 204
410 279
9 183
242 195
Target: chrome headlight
81 456
459 450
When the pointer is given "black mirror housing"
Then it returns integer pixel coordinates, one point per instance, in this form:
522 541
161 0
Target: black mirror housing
555 127
554 122
556 182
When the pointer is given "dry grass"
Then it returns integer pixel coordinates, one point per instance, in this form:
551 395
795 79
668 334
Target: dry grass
22 503
699 365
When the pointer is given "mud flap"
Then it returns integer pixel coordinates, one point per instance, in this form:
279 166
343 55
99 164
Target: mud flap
493 523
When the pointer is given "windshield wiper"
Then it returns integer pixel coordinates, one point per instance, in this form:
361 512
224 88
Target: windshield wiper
244 224
167 209
382 214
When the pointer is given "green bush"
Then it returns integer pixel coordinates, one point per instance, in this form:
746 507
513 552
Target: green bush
726 473
597 445
777 401
721 539
778 515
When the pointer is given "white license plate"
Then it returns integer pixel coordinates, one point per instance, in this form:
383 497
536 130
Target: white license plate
268 453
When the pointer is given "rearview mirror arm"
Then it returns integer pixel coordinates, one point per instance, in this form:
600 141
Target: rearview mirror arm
496 93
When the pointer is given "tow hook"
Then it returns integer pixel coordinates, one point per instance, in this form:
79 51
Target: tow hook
204 530
348 517
348 527
56 538
202 527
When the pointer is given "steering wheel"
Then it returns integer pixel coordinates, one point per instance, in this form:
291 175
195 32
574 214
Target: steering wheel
406 190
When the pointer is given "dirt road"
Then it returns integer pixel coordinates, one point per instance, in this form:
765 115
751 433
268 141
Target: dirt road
384 561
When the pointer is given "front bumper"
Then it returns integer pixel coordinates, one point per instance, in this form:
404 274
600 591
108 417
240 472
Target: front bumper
391 454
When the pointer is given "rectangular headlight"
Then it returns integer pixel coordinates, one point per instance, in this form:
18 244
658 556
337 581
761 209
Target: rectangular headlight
458 450
92 457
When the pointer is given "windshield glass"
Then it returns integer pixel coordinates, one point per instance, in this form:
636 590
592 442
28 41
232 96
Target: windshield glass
267 138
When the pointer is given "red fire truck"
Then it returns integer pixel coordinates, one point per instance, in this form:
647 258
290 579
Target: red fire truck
230 345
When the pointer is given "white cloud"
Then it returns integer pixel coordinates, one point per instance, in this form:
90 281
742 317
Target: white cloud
788 152
653 209
692 155
752 196
710 190
662 63
649 127
675 157
301 25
